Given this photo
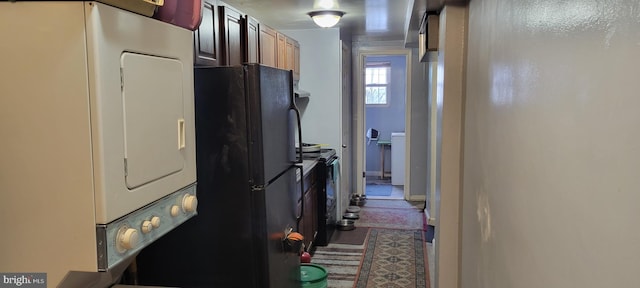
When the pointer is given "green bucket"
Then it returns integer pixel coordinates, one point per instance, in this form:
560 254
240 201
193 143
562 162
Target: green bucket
313 276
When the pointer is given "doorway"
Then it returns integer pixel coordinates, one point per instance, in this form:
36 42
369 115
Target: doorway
383 100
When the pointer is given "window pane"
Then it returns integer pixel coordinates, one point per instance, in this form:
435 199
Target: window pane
377 75
376 95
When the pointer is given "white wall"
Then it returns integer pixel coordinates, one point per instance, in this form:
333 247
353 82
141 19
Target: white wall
552 148
320 75
450 95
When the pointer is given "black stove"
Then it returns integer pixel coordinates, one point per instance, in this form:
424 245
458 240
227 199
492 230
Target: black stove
326 197
322 155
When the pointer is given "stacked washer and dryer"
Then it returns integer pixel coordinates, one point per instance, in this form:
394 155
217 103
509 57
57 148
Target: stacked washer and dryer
98 152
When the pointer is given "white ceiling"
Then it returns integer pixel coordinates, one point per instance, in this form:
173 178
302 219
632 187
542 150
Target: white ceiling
375 19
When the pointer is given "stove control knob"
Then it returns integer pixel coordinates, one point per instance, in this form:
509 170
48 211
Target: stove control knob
146 226
175 210
127 239
189 203
155 221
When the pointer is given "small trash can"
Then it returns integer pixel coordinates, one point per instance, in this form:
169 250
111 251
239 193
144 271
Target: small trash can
313 276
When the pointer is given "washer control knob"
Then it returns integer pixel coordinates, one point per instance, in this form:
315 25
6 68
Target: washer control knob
155 221
127 239
189 203
175 210
146 226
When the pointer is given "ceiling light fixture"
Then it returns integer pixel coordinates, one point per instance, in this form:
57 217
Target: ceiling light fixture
326 18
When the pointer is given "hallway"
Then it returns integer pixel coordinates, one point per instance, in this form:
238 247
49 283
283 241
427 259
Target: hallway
386 249
380 189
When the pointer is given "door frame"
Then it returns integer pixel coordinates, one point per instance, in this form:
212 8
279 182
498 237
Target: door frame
360 109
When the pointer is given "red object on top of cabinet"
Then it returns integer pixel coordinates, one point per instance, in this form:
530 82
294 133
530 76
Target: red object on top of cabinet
183 13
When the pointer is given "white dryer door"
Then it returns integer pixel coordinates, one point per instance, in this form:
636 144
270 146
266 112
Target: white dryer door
153 117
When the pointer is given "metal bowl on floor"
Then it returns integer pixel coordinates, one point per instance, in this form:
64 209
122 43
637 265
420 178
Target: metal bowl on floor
353 209
345 225
350 215
358 201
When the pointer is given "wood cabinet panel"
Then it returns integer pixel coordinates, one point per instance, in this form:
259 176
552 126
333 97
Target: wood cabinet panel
309 213
206 42
231 35
282 51
252 40
227 37
296 61
268 46
309 222
290 54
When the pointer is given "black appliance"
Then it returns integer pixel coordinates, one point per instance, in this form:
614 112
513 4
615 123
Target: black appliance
326 201
245 152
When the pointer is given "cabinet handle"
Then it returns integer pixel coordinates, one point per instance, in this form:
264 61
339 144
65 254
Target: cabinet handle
181 136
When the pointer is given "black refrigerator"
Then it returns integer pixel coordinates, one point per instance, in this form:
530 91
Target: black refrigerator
245 152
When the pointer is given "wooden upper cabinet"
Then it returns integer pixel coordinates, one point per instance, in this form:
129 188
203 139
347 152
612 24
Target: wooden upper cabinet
206 42
227 37
282 51
296 61
252 40
268 46
290 54
231 35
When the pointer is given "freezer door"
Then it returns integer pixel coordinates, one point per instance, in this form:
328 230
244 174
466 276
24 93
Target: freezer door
282 263
271 131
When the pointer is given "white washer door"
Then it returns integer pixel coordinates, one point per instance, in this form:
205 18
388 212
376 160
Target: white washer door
153 117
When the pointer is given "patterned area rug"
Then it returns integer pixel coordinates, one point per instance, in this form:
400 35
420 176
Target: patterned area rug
341 262
410 219
394 258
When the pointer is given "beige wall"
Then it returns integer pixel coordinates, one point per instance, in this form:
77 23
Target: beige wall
552 145
450 102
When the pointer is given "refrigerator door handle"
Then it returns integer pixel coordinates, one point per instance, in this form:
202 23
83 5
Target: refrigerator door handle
299 217
295 108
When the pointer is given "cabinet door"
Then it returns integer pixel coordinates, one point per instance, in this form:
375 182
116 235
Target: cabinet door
252 40
231 32
268 46
290 54
296 60
206 42
308 219
282 51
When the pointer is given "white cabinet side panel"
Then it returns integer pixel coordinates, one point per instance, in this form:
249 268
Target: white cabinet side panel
46 188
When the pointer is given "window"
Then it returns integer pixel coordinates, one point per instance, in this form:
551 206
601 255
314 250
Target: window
377 83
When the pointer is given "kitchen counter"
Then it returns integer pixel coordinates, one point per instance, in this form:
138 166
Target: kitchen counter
307 166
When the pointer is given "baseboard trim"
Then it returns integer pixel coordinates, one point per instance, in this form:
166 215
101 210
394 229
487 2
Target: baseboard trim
417 197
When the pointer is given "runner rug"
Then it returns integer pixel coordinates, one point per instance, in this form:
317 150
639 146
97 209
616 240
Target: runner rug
393 218
386 203
352 237
393 258
341 262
